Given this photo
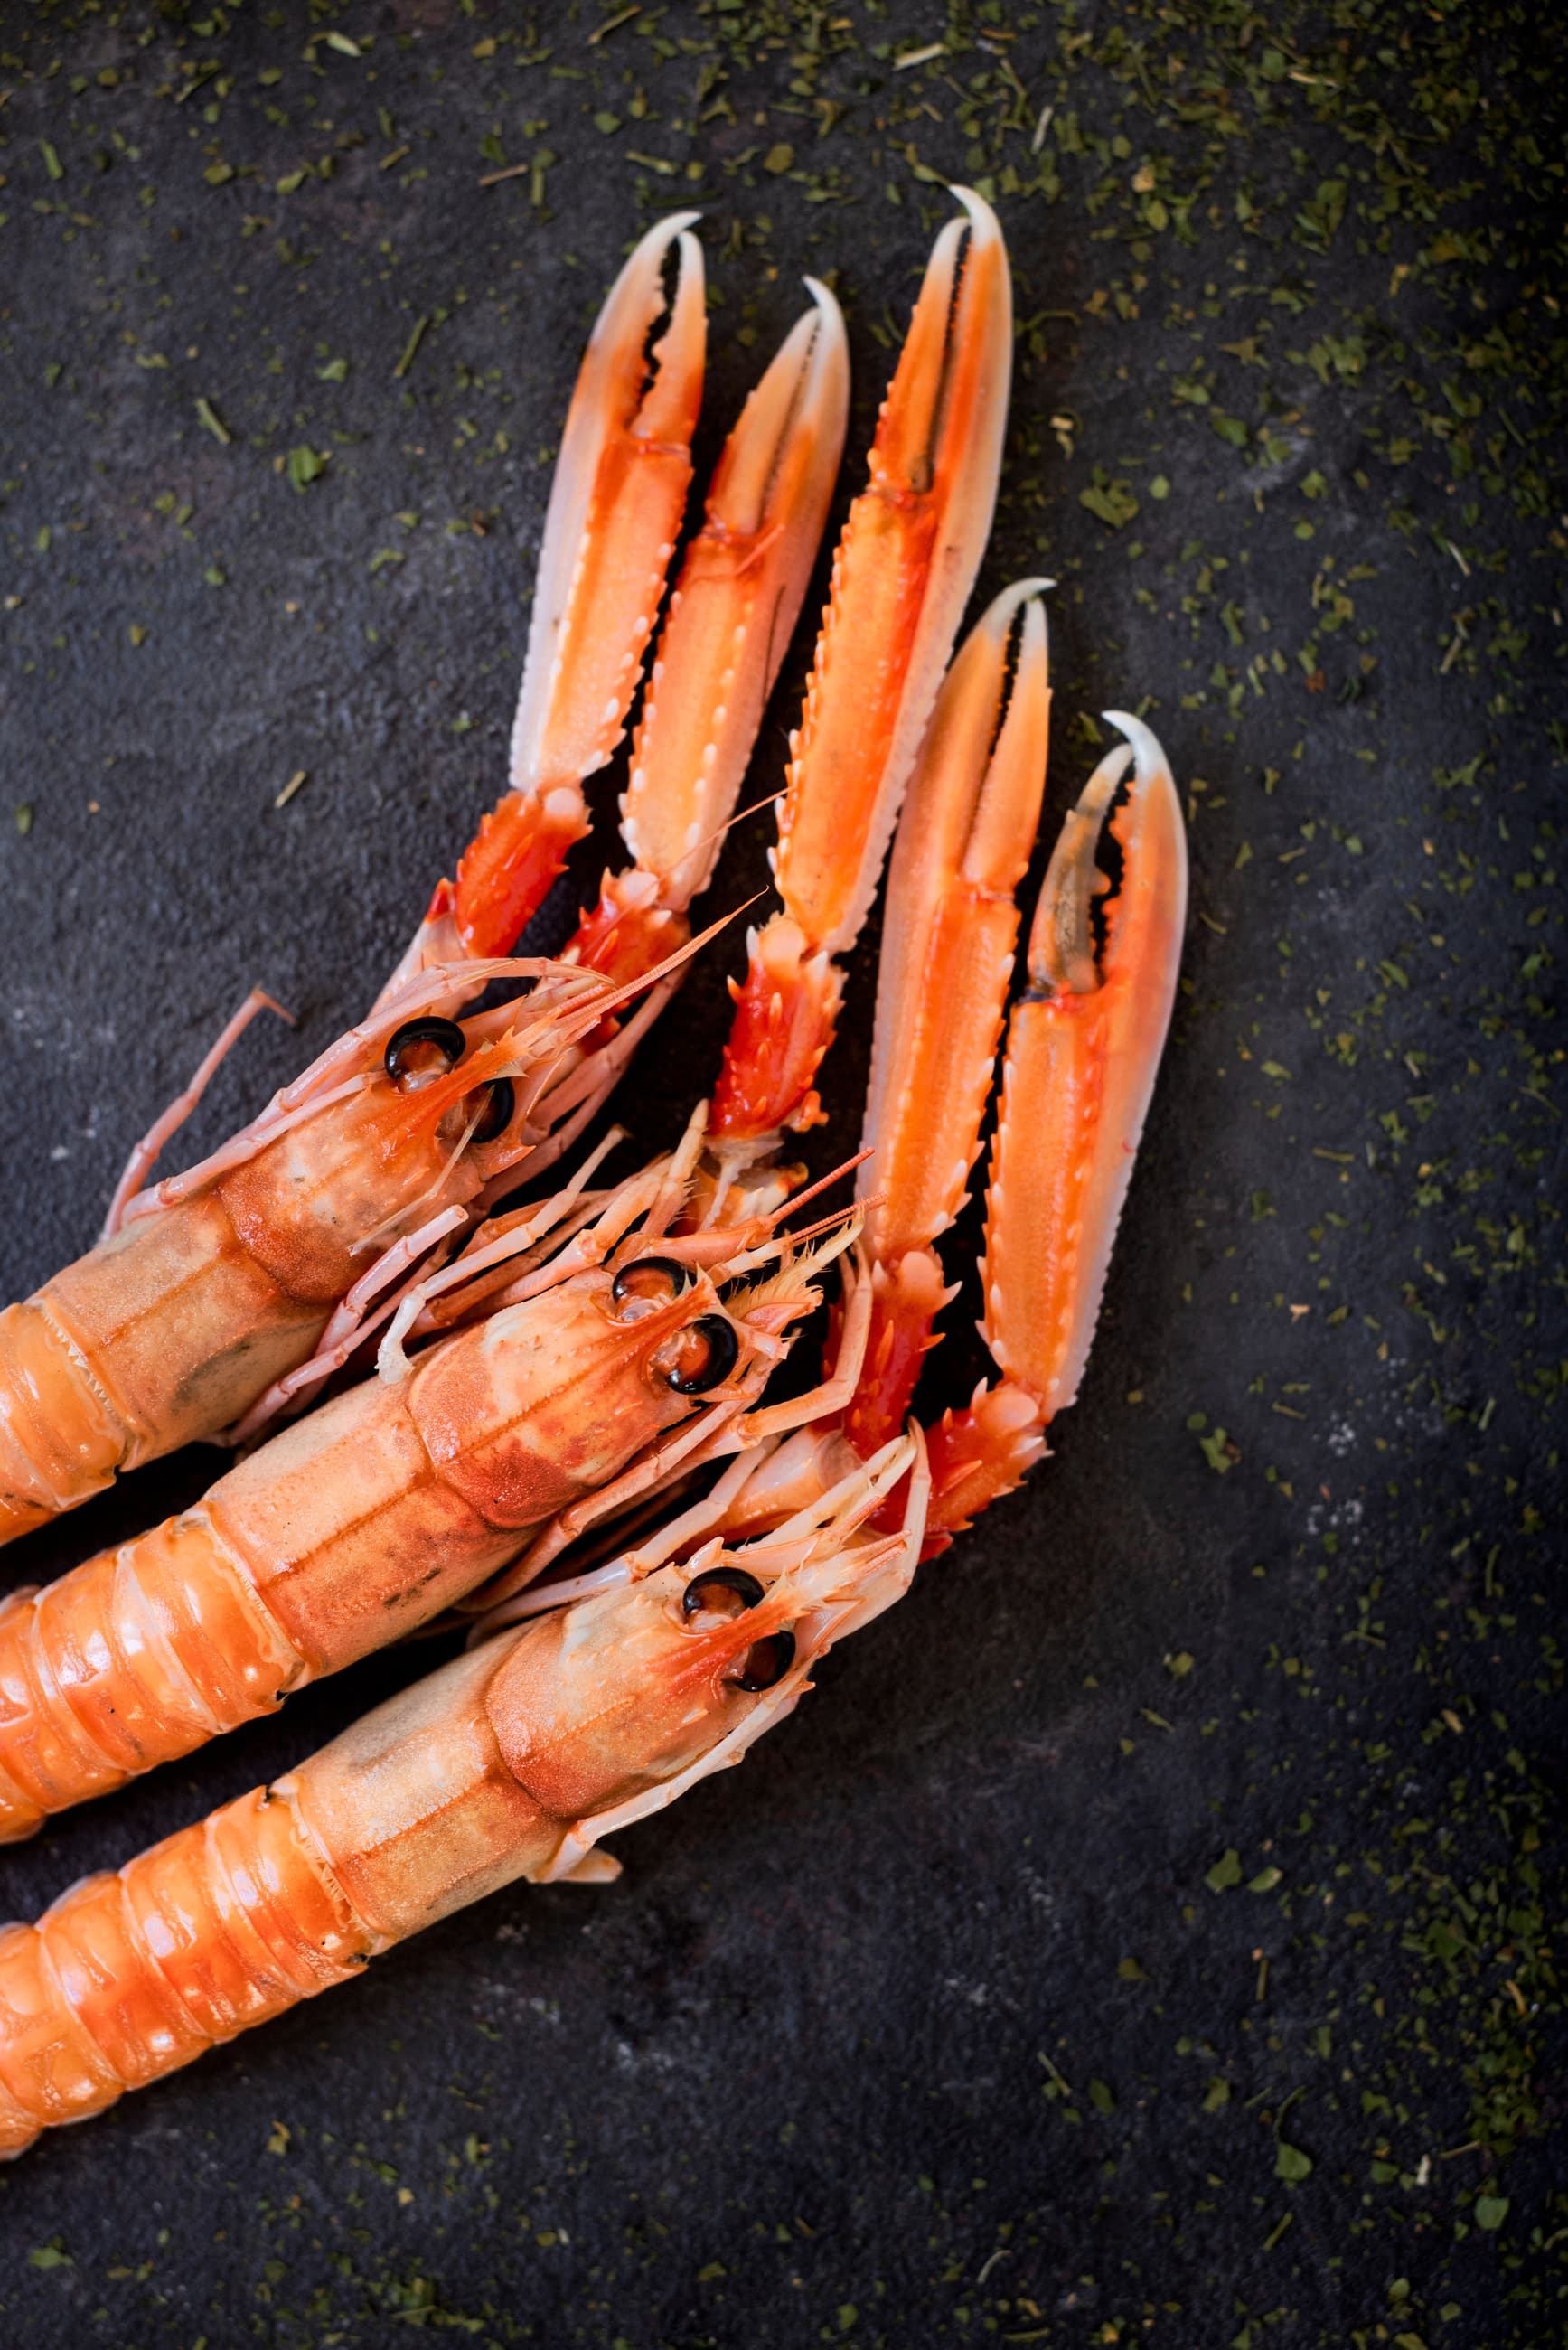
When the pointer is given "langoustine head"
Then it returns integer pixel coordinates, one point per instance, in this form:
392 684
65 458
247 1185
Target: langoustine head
610 1707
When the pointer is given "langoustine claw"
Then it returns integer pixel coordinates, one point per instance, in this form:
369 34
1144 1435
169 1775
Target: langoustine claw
901 577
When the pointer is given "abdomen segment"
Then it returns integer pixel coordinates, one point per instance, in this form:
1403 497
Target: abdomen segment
130 1976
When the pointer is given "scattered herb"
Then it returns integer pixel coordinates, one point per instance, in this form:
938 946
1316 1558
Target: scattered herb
411 347
1112 501
305 465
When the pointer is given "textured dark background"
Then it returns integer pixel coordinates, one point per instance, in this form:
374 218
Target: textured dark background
948 2018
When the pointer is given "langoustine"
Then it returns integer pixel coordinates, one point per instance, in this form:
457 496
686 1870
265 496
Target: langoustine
209 1287
511 1762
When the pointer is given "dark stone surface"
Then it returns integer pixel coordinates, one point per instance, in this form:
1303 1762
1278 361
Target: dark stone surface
926 2027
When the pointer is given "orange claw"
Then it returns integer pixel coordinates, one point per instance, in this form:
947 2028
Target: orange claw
1082 1055
949 938
978 1454
1083 1050
786 1010
905 1302
901 577
735 606
508 867
625 936
629 929
615 510
615 504
731 618
951 925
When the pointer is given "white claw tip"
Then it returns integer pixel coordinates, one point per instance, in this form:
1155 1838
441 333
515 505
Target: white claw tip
1144 742
1005 605
830 341
983 221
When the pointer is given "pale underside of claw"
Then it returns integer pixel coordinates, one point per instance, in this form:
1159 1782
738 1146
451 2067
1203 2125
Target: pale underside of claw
1083 1052
615 510
902 575
736 604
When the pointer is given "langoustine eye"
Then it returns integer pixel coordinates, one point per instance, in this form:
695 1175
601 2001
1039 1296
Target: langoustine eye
728 1591
421 1051
499 1098
649 1282
721 1591
767 1660
699 1358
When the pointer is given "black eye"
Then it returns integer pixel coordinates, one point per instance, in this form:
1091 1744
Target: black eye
703 1591
767 1662
421 1050
496 1116
655 1279
701 1356
730 1591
